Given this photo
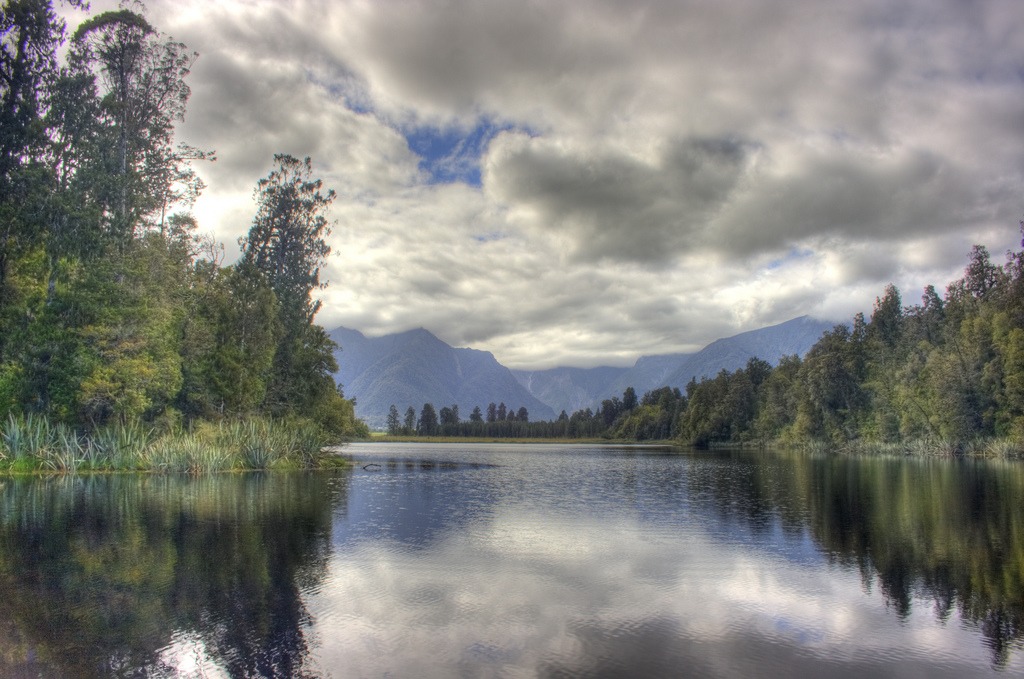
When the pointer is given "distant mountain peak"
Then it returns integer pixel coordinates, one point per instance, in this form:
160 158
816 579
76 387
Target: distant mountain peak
416 367
572 389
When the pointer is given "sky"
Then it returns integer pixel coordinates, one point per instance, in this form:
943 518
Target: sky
581 183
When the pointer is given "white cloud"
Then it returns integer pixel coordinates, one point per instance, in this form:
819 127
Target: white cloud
665 160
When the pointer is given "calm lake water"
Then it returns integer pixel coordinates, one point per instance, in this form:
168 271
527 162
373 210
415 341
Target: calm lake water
521 561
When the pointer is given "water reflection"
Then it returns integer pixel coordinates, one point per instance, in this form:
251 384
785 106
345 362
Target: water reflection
947 533
160 576
571 565
951 532
413 501
538 561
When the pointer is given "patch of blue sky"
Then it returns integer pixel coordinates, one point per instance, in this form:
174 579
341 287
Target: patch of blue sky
448 154
452 154
794 255
488 237
344 87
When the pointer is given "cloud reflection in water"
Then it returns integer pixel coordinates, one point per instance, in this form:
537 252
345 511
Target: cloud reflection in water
490 576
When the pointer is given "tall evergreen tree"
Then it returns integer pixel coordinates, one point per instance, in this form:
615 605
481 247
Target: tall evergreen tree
286 247
427 424
394 423
286 241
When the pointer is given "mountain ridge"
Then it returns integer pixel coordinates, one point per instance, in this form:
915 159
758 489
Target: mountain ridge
416 367
556 387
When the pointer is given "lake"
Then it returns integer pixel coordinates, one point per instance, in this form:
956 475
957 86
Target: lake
494 560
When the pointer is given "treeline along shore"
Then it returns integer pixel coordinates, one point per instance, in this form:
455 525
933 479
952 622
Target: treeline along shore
119 322
124 340
943 376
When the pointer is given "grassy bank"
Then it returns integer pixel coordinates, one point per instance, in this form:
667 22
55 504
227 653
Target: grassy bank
36 445
994 448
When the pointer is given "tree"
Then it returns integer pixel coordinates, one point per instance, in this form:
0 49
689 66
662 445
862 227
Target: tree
924 322
286 241
492 412
230 335
981 275
409 423
833 375
394 423
286 247
143 92
629 400
502 412
427 424
446 416
476 415
522 415
610 409
114 359
887 318
30 34
778 399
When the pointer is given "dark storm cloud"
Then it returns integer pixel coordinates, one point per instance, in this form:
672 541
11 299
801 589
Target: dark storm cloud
853 196
619 207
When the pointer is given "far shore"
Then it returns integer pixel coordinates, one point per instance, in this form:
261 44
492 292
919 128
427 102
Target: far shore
387 438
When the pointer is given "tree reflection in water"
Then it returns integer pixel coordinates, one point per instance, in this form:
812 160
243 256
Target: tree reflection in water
951 531
151 575
106 575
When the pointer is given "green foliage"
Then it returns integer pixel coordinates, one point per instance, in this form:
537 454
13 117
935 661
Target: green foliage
285 248
286 242
34 443
394 423
228 345
113 313
10 388
136 173
948 373
117 564
427 425
654 418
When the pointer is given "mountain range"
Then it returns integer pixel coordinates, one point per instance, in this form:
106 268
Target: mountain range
415 367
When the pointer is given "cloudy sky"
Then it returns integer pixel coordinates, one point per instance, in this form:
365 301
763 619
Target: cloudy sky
580 183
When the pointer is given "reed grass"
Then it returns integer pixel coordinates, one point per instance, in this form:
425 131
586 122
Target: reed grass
32 443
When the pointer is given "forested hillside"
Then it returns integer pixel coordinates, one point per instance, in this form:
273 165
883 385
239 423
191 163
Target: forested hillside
948 371
113 307
945 375
572 389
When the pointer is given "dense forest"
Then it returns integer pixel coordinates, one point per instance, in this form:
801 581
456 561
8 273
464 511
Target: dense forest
114 309
943 375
